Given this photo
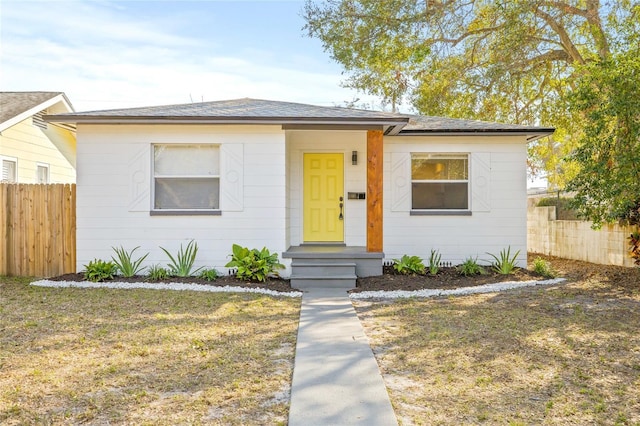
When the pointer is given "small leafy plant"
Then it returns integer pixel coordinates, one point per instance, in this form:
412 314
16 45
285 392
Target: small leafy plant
470 267
634 247
98 270
158 273
504 264
208 274
408 265
127 267
434 262
254 264
182 264
542 267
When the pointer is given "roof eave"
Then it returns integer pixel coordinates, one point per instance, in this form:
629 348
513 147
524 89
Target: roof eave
531 134
77 119
60 97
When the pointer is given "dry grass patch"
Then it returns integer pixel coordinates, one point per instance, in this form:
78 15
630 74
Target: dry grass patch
71 356
567 354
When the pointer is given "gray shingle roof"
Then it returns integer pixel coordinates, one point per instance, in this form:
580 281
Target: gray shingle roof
13 104
245 108
427 124
249 110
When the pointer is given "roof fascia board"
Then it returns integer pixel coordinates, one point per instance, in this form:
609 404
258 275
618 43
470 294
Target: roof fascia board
28 113
531 134
331 127
70 118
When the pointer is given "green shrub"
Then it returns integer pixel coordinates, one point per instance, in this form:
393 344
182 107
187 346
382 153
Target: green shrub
125 265
542 267
408 265
505 264
182 264
208 274
98 270
434 262
158 273
470 267
254 264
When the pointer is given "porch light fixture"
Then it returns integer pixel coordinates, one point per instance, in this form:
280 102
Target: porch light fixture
354 158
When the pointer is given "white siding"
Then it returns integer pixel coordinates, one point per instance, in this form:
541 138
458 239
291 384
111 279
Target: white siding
499 210
114 197
355 178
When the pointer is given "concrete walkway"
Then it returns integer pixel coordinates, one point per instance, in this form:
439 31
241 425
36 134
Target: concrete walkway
336 380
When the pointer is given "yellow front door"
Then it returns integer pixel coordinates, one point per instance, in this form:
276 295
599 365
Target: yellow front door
323 197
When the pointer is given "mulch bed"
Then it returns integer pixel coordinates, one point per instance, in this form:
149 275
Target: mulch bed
447 278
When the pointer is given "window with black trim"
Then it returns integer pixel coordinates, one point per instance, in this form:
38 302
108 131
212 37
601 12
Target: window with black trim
186 178
440 182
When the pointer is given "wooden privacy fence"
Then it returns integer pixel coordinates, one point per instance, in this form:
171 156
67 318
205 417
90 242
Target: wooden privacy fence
37 229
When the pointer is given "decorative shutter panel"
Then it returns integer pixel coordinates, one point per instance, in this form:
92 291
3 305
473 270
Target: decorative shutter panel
400 181
481 181
232 177
140 181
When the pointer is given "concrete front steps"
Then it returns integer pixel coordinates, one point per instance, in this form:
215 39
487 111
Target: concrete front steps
312 273
331 266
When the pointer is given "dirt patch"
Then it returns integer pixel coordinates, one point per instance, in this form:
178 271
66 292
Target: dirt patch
560 354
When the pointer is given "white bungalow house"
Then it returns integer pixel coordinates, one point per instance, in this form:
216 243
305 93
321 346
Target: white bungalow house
31 150
333 190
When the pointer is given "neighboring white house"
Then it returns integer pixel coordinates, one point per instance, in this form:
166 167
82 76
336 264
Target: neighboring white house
282 175
32 150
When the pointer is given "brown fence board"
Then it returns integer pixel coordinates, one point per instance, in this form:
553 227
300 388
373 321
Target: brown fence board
37 229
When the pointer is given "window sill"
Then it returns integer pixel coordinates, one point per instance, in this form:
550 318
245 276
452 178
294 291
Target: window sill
185 213
440 213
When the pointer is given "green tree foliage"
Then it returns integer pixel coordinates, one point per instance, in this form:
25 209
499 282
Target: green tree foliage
608 96
505 60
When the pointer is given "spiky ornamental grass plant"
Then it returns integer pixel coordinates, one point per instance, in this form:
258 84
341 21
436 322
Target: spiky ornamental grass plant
470 267
434 262
504 264
182 264
125 265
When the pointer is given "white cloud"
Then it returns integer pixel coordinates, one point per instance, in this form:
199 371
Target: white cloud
103 57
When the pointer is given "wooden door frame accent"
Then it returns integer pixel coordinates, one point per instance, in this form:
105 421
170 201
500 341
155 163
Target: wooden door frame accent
374 190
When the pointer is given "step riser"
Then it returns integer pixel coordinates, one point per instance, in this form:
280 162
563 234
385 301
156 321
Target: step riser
323 270
364 267
304 283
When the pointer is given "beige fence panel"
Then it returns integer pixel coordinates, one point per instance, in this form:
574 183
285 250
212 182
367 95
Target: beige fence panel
37 229
574 239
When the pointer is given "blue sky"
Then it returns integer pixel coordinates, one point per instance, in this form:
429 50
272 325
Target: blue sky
112 54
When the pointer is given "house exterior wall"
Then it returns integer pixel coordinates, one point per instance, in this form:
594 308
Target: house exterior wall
497 180
355 178
114 193
31 145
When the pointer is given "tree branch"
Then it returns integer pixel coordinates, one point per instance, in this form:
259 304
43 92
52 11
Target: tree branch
567 44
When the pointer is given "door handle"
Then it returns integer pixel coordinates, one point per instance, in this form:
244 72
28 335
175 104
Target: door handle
341 216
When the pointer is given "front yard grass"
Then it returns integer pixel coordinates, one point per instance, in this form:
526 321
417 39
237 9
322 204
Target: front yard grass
559 355
70 356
